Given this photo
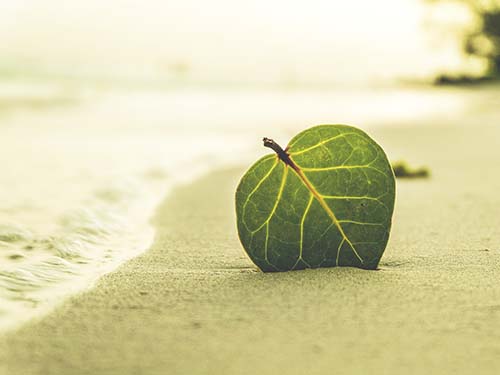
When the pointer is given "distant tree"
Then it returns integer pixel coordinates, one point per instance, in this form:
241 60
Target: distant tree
484 39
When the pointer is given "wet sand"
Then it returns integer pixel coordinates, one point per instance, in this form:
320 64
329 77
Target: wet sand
194 303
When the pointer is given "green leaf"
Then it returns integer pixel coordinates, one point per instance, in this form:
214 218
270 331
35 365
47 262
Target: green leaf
326 200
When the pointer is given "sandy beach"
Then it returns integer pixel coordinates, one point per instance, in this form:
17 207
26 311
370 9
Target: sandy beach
195 304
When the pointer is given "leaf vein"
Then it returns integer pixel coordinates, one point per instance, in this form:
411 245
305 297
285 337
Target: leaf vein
278 198
360 223
327 209
302 221
260 183
338 251
319 144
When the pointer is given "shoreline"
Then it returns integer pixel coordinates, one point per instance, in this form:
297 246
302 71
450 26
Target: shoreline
194 303
68 215
82 282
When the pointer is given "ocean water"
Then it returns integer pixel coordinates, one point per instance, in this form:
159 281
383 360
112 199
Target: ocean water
82 171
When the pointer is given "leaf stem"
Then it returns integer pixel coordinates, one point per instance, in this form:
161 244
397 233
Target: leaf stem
282 154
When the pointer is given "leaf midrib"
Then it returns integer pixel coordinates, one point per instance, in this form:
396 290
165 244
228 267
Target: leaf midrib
298 171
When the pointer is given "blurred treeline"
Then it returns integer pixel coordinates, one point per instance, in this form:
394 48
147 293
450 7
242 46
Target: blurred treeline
483 39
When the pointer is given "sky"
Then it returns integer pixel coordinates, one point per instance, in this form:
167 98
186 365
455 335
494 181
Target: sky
231 40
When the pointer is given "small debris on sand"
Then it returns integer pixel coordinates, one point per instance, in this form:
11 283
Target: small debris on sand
403 170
